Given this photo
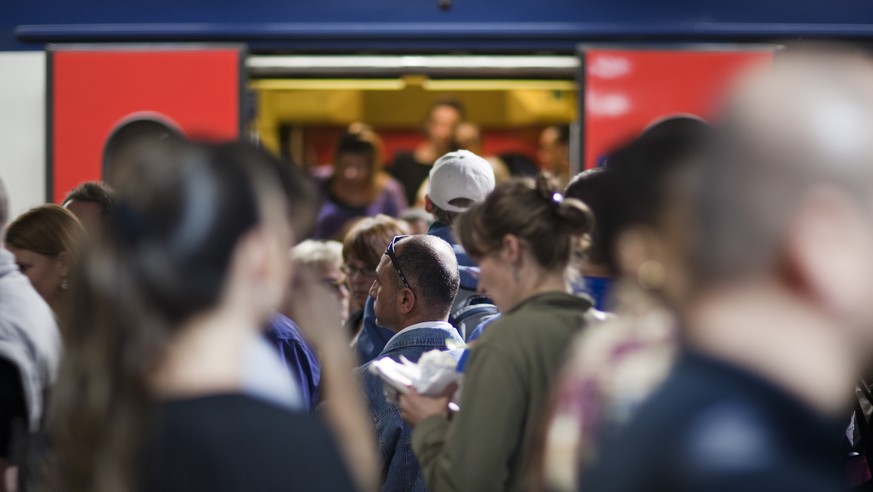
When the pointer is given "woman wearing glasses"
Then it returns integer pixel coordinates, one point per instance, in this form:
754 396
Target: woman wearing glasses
362 248
523 237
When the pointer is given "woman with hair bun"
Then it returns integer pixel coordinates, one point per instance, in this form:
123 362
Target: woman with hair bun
167 384
523 236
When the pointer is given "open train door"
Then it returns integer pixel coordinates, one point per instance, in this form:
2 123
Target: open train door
624 89
97 95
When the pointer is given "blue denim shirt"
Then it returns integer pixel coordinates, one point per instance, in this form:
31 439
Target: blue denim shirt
400 468
298 356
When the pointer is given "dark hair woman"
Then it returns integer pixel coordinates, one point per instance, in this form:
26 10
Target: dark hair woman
357 187
523 236
166 384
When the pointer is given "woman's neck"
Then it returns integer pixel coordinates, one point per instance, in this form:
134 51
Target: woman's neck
535 282
354 194
206 355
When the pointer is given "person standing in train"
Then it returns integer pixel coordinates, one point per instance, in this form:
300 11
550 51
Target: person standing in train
357 187
554 152
411 168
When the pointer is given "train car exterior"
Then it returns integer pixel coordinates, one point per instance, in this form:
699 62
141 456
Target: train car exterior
378 26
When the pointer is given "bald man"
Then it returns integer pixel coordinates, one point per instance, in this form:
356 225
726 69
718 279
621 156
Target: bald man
779 323
416 283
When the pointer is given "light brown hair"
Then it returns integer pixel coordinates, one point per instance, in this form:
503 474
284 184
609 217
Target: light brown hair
48 230
368 239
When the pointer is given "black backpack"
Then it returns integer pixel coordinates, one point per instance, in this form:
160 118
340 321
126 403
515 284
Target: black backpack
469 310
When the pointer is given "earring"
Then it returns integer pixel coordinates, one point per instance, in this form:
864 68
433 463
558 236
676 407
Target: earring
64 284
515 274
651 275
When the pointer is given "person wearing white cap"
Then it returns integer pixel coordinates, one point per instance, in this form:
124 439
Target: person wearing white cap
457 180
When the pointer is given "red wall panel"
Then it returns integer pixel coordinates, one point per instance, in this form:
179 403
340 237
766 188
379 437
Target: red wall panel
626 89
93 91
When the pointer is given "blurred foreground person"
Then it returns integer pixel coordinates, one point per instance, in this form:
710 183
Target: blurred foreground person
641 206
167 384
778 324
30 345
416 283
46 242
91 202
511 368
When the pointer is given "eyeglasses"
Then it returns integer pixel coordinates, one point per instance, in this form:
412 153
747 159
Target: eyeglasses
392 255
350 270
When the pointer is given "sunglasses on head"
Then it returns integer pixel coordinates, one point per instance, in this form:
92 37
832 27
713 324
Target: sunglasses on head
392 255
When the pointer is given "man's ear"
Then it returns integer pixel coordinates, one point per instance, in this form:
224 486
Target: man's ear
428 205
406 300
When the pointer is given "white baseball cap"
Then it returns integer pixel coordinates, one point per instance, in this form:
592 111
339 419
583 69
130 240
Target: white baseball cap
459 174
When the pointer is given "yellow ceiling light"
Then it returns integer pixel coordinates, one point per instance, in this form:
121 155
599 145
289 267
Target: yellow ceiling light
499 85
328 84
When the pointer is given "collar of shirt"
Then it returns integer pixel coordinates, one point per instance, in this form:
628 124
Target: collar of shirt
427 324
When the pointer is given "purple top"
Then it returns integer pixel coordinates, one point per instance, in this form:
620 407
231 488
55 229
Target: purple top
334 213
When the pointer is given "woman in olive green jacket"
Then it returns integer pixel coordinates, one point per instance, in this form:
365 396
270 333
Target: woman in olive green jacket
523 237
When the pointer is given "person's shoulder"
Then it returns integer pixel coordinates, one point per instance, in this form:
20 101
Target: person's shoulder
24 313
546 311
235 438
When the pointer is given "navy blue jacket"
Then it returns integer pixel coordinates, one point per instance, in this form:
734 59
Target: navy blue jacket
298 356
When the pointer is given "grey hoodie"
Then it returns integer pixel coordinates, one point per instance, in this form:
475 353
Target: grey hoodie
29 336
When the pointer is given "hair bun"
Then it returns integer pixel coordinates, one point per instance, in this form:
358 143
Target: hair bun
575 215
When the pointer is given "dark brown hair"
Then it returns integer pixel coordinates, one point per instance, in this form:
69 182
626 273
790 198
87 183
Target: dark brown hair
165 258
93 192
553 227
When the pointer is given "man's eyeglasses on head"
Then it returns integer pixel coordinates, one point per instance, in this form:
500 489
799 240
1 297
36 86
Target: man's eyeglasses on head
392 255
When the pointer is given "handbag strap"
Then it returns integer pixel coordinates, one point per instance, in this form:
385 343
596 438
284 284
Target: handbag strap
863 427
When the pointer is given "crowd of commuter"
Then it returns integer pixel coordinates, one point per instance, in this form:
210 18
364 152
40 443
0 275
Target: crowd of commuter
693 314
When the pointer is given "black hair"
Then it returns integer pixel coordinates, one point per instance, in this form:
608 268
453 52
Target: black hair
590 188
637 177
432 273
93 192
446 217
180 216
